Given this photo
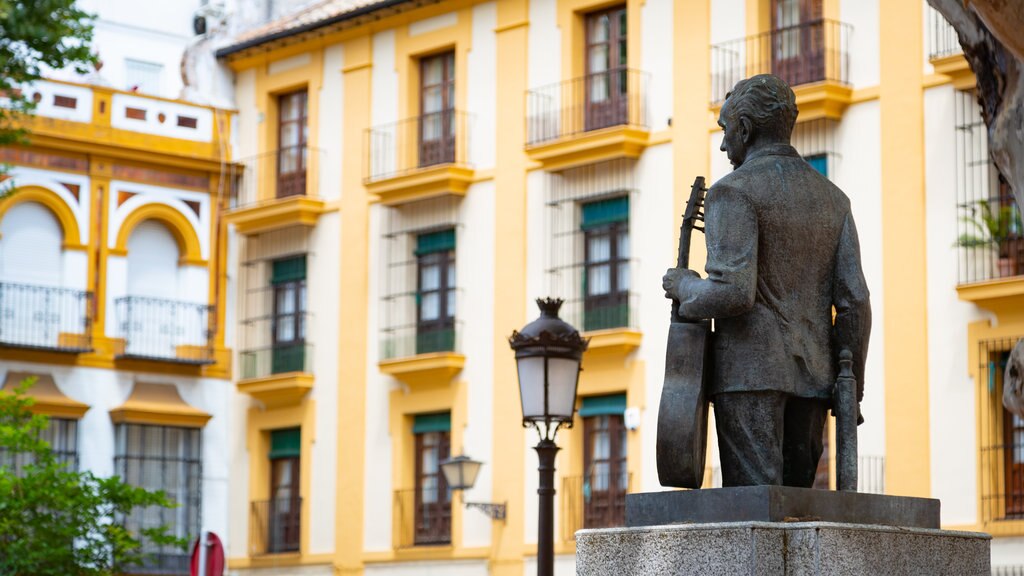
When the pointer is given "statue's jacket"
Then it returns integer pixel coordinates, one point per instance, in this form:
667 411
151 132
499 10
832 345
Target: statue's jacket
782 252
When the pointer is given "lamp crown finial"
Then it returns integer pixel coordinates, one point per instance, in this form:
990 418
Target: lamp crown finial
549 306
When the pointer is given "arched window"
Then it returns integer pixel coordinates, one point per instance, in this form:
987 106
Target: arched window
152 261
30 246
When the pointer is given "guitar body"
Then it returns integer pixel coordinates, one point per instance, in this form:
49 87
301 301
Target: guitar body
683 412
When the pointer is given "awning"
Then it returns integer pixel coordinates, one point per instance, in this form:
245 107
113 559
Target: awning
49 400
158 404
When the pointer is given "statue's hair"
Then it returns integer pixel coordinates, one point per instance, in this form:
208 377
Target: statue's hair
767 101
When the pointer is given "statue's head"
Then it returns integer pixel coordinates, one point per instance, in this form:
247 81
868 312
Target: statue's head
759 111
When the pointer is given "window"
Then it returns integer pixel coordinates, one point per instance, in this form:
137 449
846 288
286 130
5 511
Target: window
797 41
605 477
606 72
164 458
142 76
1001 438
819 162
288 326
293 132
433 501
285 504
437 106
605 225
61 434
435 292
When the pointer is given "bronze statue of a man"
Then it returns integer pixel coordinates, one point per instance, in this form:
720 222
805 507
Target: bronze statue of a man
782 254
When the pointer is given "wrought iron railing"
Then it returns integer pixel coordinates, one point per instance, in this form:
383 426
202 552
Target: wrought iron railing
276 359
432 139
421 523
409 340
266 177
942 38
813 51
275 526
45 317
1001 436
616 97
594 501
621 312
159 329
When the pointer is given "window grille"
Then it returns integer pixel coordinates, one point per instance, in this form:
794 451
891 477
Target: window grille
815 140
434 221
1001 436
276 323
569 276
62 436
990 236
942 38
162 458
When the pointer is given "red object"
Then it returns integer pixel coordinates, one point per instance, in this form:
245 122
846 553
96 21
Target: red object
214 556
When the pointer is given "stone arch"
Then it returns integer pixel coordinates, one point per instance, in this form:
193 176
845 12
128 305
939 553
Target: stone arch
52 202
179 226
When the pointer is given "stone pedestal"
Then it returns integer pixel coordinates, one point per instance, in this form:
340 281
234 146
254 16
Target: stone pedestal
780 549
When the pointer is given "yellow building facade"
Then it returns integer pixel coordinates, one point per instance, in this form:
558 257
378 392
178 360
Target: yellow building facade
411 175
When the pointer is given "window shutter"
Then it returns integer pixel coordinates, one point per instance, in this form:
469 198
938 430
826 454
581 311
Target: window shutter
614 404
152 261
285 443
431 242
604 212
432 423
289 270
30 245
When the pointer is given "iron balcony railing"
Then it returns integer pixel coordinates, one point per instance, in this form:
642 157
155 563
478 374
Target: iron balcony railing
45 317
616 97
942 37
275 526
403 147
171 330
422 521
621 310
594 501
276 359
813 51
282 173
409 340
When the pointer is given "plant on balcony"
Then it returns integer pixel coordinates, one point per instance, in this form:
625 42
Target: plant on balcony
55 521
993 228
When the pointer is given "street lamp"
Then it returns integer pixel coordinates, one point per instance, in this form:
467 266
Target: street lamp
548 355
460 474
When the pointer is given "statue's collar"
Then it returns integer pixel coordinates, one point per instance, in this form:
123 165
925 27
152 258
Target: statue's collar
772 150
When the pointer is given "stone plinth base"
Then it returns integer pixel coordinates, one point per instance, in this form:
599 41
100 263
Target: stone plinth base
780 548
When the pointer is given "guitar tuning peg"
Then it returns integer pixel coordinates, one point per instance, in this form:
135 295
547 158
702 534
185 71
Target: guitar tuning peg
701 228
700 216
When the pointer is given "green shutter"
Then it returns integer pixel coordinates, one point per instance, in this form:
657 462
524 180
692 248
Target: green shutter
432 423
288 358
285 443
605 212
819 162
439 241
289 270
601 405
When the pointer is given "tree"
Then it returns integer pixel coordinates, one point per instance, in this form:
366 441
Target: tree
989 32
36 35
55 521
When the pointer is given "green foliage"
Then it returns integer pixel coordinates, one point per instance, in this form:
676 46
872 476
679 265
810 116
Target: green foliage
55 521
36 35
988 224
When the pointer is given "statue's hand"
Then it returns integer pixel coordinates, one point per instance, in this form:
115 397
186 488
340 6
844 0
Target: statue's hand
670 281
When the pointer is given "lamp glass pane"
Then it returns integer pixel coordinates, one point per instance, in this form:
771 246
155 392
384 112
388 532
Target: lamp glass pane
562 374
531 386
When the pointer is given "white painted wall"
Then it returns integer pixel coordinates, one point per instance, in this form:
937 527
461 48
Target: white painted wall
951 393
728 20
656 55
544 45
449 568
482 87
862 15
332 104
384 82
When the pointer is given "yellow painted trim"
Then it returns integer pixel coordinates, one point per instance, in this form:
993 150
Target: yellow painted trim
437 367
420 184
865 94
47 398
822 100
571 19
613 341
278 390
589 147
904 314
276 214
1002 296
179 226
159 404
259 424
956 68
410 49
426 553
55 204
279 561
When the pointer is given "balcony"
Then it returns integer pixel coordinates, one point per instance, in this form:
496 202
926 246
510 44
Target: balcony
945 53
418 358
420 157
165 330
275 526
45 318
421 523
594 501
812 57
275 190
596 117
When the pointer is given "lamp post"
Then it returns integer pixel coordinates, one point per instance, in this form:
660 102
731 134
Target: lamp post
548 356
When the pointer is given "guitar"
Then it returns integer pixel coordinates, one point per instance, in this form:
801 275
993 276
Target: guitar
683 411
